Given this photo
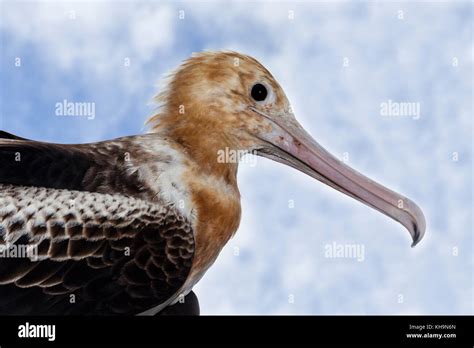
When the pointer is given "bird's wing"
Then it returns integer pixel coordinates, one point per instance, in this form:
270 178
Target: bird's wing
6 135
80 234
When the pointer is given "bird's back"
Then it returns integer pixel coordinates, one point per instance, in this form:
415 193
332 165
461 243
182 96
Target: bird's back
81 231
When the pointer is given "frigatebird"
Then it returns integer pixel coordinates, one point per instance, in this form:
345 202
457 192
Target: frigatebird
126 226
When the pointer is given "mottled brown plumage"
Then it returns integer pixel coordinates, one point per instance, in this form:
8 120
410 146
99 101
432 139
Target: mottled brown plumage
101 236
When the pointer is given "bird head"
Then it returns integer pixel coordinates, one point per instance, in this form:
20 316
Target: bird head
219 100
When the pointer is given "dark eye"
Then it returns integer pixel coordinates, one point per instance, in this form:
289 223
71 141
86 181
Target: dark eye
259 92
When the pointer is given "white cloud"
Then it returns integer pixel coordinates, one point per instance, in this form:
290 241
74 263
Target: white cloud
90 34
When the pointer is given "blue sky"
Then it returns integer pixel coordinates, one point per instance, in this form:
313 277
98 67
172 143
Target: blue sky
418 52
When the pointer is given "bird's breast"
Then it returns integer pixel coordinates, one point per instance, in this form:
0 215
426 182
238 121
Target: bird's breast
206 195
217 216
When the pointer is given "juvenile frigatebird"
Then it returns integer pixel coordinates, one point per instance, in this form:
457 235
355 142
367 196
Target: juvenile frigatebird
125 226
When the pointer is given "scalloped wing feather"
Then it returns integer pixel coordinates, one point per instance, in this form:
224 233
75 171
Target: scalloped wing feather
99 240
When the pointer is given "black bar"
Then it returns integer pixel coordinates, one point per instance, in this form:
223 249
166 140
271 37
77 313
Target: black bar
288 330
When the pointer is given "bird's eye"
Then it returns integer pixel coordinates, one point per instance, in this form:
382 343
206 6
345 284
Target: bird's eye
259 92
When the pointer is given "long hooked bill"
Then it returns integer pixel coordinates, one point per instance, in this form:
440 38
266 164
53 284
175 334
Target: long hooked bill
290 144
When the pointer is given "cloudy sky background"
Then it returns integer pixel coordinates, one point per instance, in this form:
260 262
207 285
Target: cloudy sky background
276 263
